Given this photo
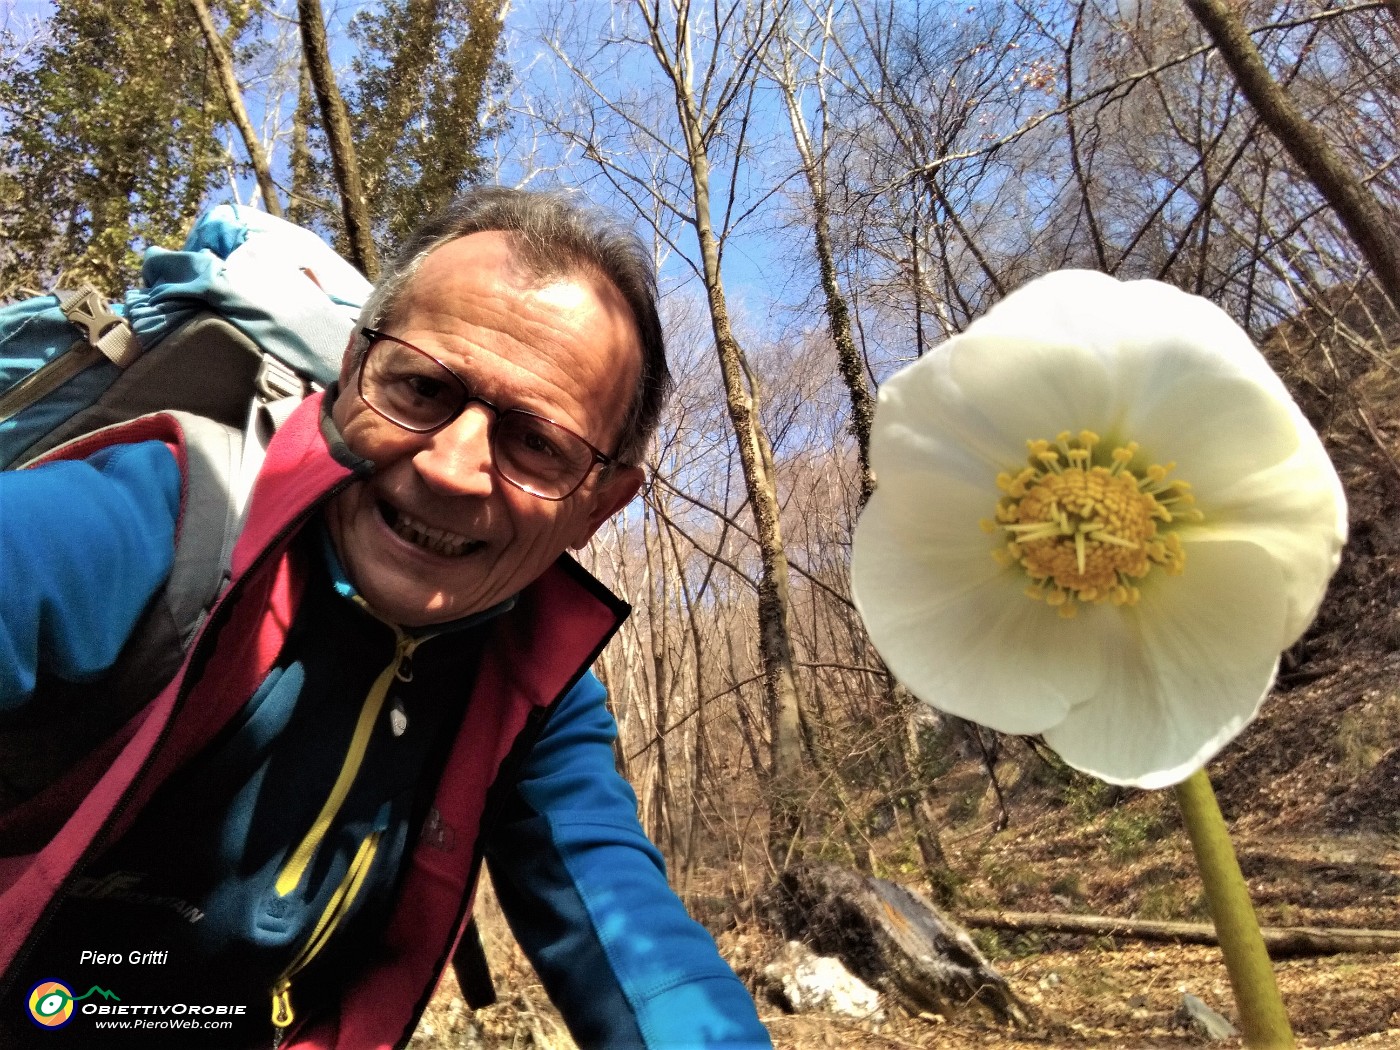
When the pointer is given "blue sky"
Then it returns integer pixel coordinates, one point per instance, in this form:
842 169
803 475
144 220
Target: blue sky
11 10
749 264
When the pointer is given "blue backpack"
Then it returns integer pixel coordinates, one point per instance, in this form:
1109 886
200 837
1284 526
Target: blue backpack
229 334
251 308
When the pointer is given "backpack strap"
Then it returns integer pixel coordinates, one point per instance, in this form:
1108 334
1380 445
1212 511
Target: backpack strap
210 516
220 464
473 970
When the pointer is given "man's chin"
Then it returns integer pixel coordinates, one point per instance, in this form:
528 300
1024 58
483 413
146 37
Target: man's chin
411 611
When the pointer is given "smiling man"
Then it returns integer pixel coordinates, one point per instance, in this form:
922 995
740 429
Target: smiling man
394 689
482 404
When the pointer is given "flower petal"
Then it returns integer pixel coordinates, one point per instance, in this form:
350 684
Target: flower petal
1204 658
1216 425
956 629
1011 391
1297 512
925 420
1156 315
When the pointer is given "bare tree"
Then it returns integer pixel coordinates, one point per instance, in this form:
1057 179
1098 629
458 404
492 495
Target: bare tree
1367 224
233 96
813 151
338 138
709 86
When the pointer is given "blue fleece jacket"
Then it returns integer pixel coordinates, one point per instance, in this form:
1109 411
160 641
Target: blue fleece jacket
84 545
90 543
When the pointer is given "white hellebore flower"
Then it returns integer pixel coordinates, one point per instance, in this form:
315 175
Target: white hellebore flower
1100 517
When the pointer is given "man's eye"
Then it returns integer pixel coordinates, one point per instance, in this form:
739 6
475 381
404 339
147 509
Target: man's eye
425 386
537 444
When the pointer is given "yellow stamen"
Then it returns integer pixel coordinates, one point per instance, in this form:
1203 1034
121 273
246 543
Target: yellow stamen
1084 524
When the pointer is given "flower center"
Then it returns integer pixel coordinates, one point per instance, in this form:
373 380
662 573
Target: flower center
1085 526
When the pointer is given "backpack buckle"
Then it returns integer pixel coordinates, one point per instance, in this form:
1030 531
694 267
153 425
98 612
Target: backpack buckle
106 330
86 309
276 381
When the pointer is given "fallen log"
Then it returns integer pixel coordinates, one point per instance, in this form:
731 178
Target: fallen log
1282 941
892 938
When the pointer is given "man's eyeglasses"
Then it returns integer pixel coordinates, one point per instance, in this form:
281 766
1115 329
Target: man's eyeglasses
416 391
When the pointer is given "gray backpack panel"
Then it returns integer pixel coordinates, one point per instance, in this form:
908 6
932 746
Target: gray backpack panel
76 717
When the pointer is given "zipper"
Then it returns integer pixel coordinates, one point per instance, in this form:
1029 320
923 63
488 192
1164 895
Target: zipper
220 614
400 668
336 909
44 381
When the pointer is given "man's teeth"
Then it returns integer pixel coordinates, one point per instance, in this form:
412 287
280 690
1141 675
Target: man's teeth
436 540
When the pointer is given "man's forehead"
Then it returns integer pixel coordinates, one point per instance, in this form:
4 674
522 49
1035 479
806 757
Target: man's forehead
501 261
509 253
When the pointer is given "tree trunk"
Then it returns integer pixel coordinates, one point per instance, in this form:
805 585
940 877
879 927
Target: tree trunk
300 204
1364 219
775 638
228 81
937 871
755 456
1282 941
837 311
407 72
342 146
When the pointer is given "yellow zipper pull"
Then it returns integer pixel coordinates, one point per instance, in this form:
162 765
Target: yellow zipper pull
282 1015
407 645
291 875
336 909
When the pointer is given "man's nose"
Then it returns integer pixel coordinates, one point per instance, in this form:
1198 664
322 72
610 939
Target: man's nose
456 460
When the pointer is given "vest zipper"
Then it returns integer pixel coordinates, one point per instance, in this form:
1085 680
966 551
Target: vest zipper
336 909
400 667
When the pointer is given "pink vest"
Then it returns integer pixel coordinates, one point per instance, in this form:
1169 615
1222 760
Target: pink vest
536 652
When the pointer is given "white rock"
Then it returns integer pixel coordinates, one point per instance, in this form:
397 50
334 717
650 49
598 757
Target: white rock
818 983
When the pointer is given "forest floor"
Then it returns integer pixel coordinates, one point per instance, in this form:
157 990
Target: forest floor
1312 790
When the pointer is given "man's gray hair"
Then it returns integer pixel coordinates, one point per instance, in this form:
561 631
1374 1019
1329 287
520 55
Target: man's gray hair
554 234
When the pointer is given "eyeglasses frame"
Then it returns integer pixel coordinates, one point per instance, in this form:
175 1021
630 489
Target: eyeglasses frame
374 335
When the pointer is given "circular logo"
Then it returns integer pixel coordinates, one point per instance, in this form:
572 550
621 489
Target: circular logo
51 1004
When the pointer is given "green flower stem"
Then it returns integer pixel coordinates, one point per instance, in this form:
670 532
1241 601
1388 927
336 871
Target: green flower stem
1262 1016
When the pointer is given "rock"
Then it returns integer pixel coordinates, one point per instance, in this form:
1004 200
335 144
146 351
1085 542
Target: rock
1196 1015
807 982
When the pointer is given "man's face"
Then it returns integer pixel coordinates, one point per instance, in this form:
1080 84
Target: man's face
436 533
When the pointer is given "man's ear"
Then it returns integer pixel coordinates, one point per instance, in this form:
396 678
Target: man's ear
607 499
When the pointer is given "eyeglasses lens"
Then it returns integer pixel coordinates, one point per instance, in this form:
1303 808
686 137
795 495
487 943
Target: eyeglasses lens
407 387
539 455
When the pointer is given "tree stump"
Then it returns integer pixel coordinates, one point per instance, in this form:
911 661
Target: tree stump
892 938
